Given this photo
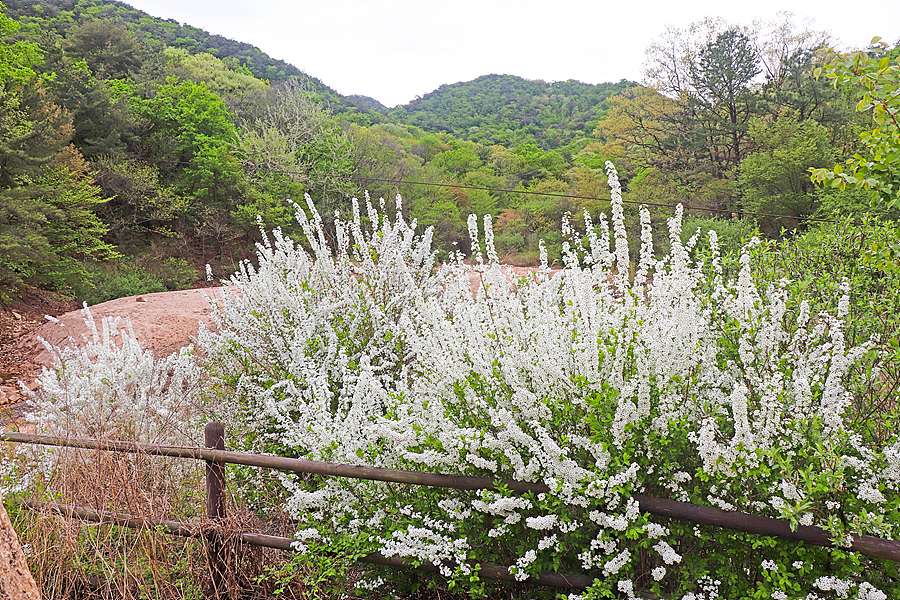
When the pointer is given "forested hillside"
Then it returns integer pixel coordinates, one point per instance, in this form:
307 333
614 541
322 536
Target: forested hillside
727 336
135 150
509 110
60 16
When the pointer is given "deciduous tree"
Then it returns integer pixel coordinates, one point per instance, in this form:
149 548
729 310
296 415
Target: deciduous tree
293 136
874 76
775 176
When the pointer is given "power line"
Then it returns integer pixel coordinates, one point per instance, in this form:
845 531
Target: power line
535 193
578 197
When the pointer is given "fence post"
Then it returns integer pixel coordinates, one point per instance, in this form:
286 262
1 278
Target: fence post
214 434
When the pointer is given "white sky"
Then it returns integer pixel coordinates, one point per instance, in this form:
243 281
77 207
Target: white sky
395 50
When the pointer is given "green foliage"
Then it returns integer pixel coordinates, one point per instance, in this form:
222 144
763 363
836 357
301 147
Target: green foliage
16 57
193 143
184 118
226 80
817 263
139 202
61 15
693 121
324 568
32 133
693 124
292 145
458 161
732 234
175 156
46 230
132 277
508 110
110 50
775 176
47 219
721 77
874 76
103 121
539 164
190 136
795 89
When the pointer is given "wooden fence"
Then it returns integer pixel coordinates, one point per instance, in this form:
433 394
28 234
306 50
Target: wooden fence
216 457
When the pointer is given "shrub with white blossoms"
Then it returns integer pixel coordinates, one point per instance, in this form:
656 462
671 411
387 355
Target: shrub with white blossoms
679 382
108 386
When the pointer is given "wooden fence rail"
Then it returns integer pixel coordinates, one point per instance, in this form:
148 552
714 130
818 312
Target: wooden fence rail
216 457
294 465
486 571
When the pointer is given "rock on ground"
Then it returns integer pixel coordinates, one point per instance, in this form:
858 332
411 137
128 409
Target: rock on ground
16 582
164 322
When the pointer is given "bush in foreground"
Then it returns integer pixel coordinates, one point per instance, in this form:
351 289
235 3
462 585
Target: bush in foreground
682 382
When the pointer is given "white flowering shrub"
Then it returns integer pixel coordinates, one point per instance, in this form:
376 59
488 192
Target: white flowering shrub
106 386
679 382
109 387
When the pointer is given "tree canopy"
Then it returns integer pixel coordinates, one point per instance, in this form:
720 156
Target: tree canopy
873 75
176 141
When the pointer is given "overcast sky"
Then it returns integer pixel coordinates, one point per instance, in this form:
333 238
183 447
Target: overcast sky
395 50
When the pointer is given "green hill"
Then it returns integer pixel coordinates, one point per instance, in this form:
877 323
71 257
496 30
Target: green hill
493 109
60 16
510 110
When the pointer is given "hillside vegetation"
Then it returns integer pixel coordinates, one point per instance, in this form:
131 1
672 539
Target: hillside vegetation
510 111
60 16
162 144
723 349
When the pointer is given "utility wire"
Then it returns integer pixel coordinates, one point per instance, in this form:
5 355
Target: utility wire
535 193
575 196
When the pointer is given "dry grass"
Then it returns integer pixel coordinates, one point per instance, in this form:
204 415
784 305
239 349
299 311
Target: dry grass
73 558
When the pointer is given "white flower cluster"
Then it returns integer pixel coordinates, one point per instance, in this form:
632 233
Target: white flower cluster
626 587
12 480
427 545
543 522
108 386
369 584
709 590
841 587
521 565
355 347
868 592
655 530
615 564
667 553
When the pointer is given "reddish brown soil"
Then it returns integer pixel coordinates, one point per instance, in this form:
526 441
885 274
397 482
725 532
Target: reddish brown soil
17 326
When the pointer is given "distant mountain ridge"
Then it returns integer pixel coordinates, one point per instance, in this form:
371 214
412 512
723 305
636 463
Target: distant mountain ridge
492 109
60 15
